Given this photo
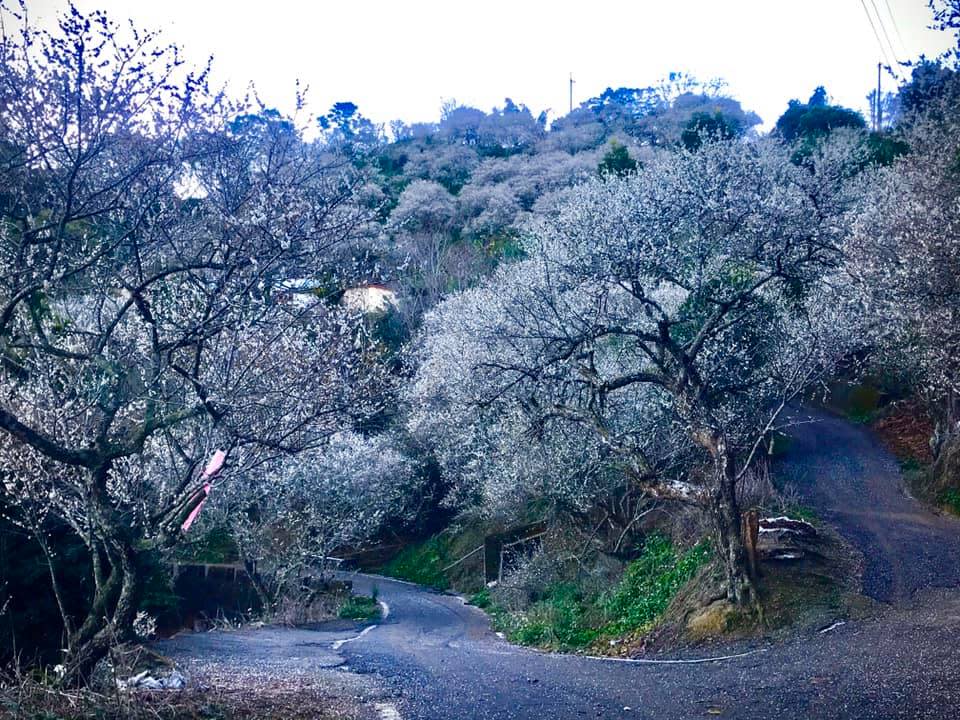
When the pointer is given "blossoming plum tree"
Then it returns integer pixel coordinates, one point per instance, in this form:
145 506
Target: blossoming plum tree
145 222
291 515
904 257
658 326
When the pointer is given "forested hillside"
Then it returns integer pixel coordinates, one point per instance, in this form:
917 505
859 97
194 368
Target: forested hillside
237 338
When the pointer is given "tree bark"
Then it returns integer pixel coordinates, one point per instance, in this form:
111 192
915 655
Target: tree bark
110 620
263 594
945 425
116 600
724 512
945 445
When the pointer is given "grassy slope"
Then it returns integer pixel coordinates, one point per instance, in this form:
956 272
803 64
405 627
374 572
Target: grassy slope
566 619
361 607
422 563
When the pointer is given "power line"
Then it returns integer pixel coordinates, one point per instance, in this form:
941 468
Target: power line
873 27
883 50
883 29
886 35
896 27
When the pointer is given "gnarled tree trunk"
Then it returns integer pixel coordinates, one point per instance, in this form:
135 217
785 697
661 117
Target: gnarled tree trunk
723 510
945 445
117 594
110 619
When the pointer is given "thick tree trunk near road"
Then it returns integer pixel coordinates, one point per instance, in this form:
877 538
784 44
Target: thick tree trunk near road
947 417
109 621
116 600
946 464
945 445
723 509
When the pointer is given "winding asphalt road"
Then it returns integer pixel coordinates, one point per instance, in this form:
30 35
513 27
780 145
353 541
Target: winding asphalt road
844 472
435 658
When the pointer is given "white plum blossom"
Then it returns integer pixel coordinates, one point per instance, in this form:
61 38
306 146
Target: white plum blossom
904 258
659 323
138 333
424 206
289 516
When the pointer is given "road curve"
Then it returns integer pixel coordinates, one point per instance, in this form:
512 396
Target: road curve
854 483
434 658
440 661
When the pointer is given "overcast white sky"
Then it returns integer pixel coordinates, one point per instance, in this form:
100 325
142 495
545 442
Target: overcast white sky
400 59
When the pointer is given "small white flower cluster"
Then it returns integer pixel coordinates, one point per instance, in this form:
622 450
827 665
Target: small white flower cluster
905 259
290 516
145 625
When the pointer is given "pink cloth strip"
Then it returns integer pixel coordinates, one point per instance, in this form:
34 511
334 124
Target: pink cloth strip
213 467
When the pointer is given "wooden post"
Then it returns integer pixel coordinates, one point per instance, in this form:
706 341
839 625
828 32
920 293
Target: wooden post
751 534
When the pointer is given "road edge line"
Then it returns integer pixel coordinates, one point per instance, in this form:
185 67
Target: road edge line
337 644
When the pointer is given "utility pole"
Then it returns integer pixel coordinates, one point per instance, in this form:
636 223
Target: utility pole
571 92
878 116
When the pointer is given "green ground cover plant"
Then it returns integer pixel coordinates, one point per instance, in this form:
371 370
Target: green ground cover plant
566 618
361 607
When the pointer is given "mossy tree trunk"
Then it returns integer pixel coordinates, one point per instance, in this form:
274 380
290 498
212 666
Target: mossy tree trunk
118 582
723 510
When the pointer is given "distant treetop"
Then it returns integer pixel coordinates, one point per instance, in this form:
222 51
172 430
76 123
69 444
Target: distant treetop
815 118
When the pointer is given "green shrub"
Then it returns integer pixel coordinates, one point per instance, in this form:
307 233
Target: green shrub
950 498
800 512
649 584
861 417
563 617
361 607
215 546
481 599
560 619
422 564
530 632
